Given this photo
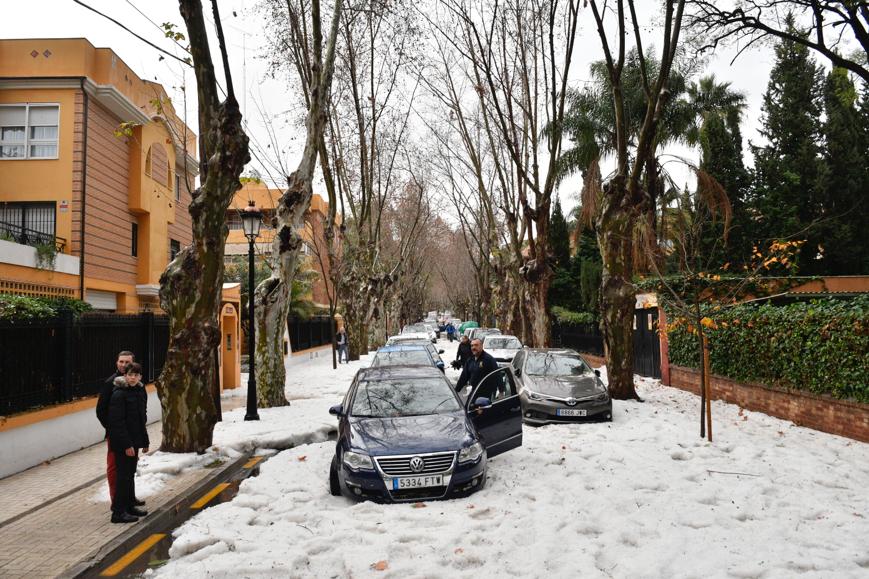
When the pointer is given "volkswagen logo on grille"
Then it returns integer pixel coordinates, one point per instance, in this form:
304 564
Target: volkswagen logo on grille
571 401
417 464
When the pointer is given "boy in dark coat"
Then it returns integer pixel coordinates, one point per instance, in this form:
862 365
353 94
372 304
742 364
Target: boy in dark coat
123 358
127 434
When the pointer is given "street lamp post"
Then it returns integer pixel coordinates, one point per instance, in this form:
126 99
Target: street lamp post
251 219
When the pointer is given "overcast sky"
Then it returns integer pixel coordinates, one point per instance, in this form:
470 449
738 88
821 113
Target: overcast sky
242 26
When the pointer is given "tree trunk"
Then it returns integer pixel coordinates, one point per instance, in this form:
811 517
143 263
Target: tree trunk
538 314
270 316
617 292
190 288
273 295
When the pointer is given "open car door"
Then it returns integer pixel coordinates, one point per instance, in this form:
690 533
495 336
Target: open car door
500 421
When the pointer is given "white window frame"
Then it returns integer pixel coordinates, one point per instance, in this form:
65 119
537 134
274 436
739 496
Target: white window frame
27 140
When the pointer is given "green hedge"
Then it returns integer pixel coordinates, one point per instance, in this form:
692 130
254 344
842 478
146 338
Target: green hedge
820 346
570 318
32 308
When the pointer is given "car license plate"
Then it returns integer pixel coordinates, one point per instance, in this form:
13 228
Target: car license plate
417 482
570 412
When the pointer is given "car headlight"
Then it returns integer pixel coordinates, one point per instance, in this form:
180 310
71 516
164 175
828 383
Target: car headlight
471 453
357 461
535 396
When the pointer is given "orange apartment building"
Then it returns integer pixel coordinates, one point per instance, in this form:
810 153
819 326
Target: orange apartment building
265 199
112 201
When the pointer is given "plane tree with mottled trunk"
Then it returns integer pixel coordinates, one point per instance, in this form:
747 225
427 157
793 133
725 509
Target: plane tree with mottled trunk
367 153
272 296
620 204
520 53
190 288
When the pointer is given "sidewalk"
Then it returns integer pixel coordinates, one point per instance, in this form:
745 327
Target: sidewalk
52 515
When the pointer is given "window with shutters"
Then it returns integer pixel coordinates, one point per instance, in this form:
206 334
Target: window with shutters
29 131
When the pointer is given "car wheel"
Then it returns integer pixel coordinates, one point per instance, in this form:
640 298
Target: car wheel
334 483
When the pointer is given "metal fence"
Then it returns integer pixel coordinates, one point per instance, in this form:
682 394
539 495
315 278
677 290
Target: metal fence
45 362
310 333
588 338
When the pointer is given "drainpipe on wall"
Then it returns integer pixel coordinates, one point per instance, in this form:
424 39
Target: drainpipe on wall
84 180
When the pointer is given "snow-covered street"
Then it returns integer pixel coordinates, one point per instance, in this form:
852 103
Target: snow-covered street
643 496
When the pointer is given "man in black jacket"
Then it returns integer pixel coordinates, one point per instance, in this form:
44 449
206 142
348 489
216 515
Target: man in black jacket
477 367
128 433
463 354
124 357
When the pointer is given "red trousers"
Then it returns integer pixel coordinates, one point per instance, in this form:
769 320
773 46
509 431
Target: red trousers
111 470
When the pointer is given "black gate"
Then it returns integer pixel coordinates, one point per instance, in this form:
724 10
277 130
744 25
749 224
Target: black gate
647 346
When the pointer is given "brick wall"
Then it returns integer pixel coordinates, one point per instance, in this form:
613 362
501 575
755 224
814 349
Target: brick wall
849 419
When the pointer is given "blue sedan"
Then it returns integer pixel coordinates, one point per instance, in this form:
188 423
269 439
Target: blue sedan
405 435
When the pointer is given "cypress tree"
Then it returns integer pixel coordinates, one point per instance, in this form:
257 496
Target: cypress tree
789 168
846 183
559 237
721 146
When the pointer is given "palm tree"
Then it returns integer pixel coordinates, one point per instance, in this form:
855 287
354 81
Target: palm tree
590 121
708 98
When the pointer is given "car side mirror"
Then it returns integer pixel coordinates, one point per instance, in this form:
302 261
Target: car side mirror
440 351
597 373
337 410
482 402
518 371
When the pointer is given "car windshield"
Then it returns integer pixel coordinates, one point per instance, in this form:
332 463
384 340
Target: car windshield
556 365
407 397
402 358
502 343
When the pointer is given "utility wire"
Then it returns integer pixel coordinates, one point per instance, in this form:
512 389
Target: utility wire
145 40
157 26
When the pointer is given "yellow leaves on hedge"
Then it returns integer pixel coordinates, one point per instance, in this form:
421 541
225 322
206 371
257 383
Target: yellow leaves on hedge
708 323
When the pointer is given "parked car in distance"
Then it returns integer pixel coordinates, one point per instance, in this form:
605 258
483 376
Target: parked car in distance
502 348
557 385
412 339
466 325
479 333
420 329
405 435
407 355
433 329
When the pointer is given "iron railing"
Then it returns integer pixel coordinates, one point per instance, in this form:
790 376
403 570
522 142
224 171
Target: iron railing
31 237
310 333
44 362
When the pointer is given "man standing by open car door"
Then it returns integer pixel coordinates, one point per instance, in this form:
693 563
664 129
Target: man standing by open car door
477 367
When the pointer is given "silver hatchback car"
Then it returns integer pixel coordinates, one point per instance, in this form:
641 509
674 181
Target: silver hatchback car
557 386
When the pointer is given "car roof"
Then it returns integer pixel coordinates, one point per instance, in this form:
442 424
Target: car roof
501 336
403 347
566 351
398 372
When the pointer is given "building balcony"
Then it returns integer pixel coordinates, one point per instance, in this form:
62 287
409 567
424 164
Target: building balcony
17 234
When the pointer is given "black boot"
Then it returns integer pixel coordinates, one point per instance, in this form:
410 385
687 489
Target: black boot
138 503
136 512
123 518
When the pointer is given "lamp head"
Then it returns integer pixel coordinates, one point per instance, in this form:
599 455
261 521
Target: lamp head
251 220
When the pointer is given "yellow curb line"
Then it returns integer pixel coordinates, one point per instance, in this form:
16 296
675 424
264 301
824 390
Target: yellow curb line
253 462
210 495
131 556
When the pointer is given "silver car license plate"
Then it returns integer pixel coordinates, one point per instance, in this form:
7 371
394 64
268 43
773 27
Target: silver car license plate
417 482
571 412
